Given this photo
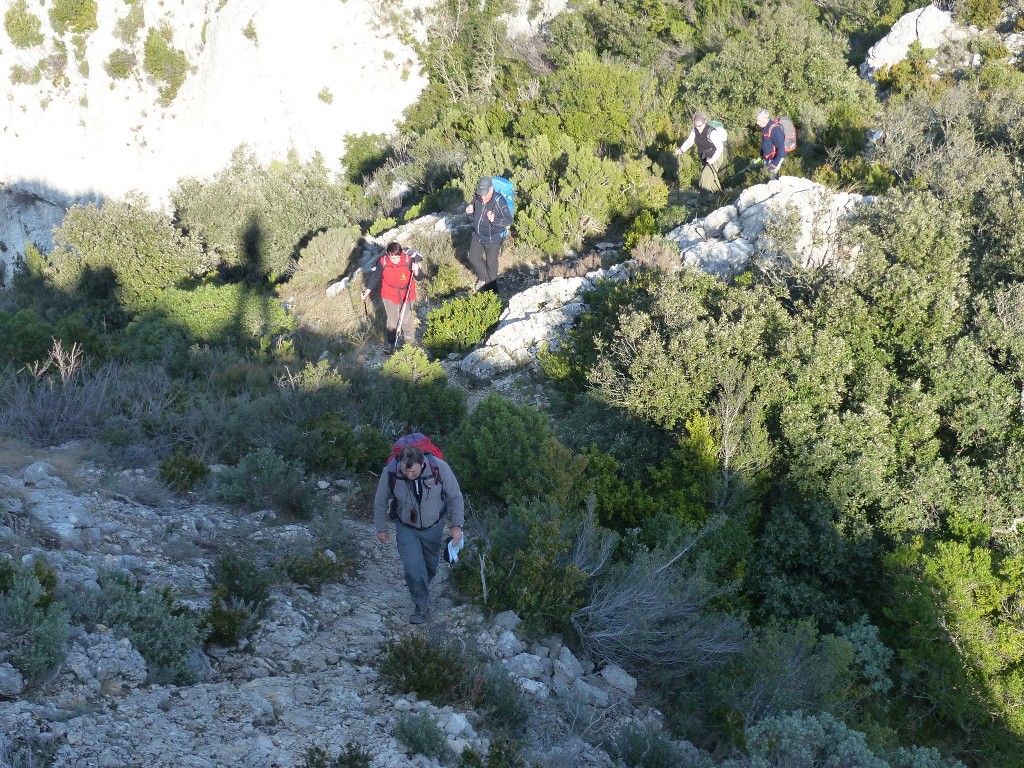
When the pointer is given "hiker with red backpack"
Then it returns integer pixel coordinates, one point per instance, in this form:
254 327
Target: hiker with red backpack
492 214
396 273
417 489
778 138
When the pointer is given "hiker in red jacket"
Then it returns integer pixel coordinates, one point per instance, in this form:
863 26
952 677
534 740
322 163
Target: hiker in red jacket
396 273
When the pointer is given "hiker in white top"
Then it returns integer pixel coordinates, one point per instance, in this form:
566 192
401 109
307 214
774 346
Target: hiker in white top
710 141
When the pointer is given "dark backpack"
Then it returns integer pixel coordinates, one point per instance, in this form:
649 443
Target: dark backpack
430 452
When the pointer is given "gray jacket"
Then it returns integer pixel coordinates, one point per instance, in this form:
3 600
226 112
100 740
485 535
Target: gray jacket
436 498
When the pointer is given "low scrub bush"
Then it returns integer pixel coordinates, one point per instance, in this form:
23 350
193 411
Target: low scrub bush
425 665
243 577
183 471
165 632
23 26
314 569
33 626
329 443
502 753
492 692
527 566
422 736
164 63
645 747
262 478
353 756
458 324
76 15
508 452
241 592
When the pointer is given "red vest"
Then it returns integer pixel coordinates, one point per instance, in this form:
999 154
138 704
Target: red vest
395 278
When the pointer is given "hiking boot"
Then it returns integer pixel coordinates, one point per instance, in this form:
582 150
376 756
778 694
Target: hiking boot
478 285
418 617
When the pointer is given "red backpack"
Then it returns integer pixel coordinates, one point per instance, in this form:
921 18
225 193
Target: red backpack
422 442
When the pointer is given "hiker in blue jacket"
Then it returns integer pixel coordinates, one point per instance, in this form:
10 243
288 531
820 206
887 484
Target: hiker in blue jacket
773 141
491 217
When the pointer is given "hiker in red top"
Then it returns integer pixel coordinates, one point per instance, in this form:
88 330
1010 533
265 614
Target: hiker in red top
396 273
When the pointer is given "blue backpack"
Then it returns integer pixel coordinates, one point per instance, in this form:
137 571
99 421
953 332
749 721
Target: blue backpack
504 188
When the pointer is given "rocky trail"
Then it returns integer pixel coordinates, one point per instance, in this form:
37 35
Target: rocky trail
306 677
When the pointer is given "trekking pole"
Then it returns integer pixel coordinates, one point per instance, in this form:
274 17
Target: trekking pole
401 312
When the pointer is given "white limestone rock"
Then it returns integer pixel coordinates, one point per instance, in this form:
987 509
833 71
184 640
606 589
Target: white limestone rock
929 26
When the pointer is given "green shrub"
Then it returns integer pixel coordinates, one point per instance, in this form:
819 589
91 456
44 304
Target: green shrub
426 664
256 219
127 28
33 627
980 13
353 756
364 154
411 393
329 443
241 592
263 478
152 338
422 736
445 281
24 337
458 324
508 452
316 568
647 747
183 471
643 225
121 63
76 15
381 225
23 76
496 696
165 632
502 753
120 258
23 26
164 63
528 567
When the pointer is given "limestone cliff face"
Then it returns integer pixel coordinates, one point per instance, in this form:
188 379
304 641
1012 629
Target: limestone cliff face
275 75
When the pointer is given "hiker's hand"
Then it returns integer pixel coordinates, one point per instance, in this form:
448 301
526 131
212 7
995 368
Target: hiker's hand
456 532
490 216
416 270
382 537
469 208
366 294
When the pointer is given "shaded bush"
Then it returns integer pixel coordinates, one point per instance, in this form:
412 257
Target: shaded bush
460 323
504 451
353 756
263 478
241 592
33 627
645 747
165 632
422 736
527 564
426 664
412 394
256 219
314 569
183 471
